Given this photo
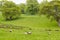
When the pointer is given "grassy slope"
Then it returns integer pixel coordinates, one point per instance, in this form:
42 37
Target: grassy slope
39 24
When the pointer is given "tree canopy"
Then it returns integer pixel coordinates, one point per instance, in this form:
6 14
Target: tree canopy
32 7
52 9
10 10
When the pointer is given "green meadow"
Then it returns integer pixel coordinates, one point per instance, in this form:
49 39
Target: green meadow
40 27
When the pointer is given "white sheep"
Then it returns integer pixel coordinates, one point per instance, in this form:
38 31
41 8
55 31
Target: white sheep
28 32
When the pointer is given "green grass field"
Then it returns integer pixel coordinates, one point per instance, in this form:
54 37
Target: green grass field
41 28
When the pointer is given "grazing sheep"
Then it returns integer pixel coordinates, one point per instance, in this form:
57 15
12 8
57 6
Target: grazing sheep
10 31
25 33
28 33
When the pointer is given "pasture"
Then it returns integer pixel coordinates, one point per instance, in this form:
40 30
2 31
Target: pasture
40 26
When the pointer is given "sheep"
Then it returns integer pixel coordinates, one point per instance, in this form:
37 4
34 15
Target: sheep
28 32
10 30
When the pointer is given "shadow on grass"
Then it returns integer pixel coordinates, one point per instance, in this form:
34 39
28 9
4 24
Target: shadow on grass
14 19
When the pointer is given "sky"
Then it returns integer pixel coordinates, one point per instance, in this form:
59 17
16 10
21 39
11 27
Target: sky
24 1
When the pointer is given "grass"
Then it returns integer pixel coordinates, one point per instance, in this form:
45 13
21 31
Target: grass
40 26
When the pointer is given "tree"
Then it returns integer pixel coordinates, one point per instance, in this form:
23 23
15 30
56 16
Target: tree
42 4
10 10
52 9
22 8
32 7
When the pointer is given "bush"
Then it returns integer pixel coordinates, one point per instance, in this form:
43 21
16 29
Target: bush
10 10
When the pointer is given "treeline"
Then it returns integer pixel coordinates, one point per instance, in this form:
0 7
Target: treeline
11 11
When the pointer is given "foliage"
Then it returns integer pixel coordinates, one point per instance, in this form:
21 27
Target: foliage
22 8
32 7
10 10
52 9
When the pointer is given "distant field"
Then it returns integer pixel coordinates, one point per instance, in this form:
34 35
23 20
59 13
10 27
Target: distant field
41 28
31 21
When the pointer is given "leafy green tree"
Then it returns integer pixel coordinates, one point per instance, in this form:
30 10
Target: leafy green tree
10 10
22 8
52 10
42 4
32 7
